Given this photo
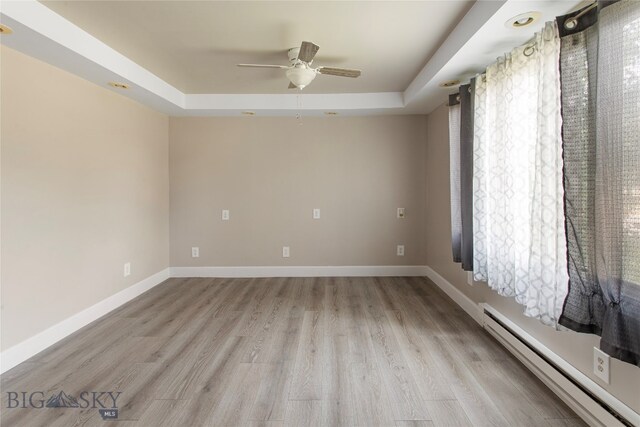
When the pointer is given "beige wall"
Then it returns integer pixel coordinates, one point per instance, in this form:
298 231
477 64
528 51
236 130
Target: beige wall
84 190
271 172
575 348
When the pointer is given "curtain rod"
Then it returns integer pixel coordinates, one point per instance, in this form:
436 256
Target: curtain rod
572 22
569 24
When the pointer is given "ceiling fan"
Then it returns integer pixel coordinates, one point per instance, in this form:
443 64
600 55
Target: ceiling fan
299 71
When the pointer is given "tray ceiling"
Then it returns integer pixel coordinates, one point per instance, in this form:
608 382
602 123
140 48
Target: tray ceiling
179 57
194 45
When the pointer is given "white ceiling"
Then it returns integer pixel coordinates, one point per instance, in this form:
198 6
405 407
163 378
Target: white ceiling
194 45
179 56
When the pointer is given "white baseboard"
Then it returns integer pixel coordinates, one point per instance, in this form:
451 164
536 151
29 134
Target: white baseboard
301 271
34 345
461 299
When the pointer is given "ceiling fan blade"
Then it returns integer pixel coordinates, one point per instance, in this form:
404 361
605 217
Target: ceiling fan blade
308 51
292 86
341 72
261 66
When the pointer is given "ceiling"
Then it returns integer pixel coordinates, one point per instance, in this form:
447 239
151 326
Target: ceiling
194 45
179 57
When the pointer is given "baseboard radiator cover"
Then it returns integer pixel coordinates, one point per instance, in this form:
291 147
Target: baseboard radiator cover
592 403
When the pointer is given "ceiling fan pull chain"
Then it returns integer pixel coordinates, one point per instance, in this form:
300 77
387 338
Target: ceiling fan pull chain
299 107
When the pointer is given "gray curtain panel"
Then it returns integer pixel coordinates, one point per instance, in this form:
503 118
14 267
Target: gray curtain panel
454 176
467 96
600 79
461 174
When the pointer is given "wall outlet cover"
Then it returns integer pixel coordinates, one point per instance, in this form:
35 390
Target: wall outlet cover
316 213
285 252
400 213
400 250
601 364
195 252
127 269
225 214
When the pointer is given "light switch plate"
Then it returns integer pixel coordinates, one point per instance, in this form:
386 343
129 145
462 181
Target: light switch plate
400 250
195 252
601 364
316 213
225 214
285 252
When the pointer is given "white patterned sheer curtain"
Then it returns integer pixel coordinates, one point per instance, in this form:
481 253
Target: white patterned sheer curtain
518 216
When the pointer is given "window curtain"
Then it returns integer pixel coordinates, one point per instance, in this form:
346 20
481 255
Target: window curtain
454 176
519 245
600 75
461 174
466 174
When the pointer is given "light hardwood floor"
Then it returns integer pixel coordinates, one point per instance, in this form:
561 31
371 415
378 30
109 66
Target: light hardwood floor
287 352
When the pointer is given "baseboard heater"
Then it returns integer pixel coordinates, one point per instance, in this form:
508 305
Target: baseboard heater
590 401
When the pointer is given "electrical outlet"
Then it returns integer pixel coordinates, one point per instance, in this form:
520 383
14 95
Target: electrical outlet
285 252
195 252
400 213
316 213
601 364
400 250
127 269
225 214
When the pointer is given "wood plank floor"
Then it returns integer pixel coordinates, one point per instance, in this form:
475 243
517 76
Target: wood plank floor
286 352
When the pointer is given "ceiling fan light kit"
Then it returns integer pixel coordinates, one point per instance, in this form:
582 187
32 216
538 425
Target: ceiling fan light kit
301 76
299 72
